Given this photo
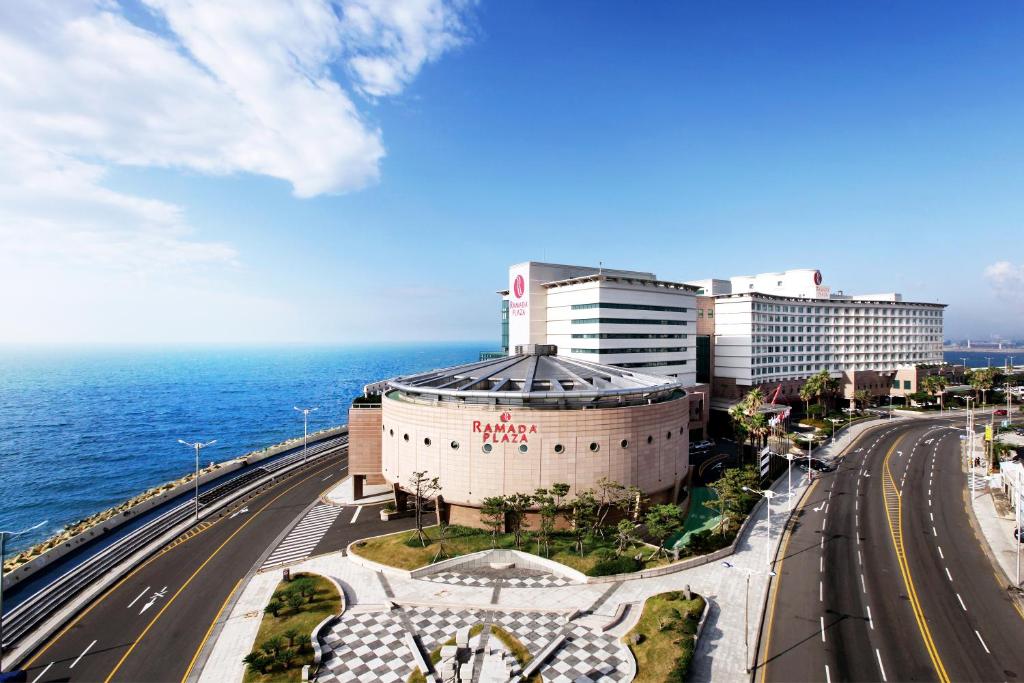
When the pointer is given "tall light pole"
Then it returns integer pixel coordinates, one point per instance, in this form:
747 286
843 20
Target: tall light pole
3 540
746 610
1016 509
970 444
305 427
198 446
768 495
789 475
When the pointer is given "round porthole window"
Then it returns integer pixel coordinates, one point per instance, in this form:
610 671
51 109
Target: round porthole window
487 448
650 439
624 443
680 431
668 435
523 448
594 447
405 437
391 432
455 445
426 441
383 428
559 448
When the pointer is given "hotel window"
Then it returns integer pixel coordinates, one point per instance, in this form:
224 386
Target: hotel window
700 313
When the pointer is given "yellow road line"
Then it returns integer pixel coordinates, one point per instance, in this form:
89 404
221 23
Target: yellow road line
107 593
189 580
215 618
894 515
206 636
778 570
775 593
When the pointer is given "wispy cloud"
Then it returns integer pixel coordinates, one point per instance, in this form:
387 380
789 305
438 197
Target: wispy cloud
1007 279
217 87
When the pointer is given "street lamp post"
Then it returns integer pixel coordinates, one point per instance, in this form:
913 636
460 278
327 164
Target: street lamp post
3 540
789 475
305 427
746 610
768 495
1016 510
198 446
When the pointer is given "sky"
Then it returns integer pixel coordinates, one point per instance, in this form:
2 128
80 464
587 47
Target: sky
318 171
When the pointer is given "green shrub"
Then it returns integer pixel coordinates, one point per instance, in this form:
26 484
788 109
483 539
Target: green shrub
615 565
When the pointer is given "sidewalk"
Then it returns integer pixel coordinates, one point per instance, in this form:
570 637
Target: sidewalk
996 520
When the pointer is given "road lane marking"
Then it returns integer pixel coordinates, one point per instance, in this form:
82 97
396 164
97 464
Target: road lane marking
828 678
880 667
948 574
821 592
42 673
961 602
823 630
975 633
893 499
206 637
931 516
940 552
139 596
822 542
859 560
823 520
110 591
158 594
89 647
327 477
871 622
209 558
863 587
356 516
934 532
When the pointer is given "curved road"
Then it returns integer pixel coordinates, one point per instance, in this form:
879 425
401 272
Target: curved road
881 577
151 625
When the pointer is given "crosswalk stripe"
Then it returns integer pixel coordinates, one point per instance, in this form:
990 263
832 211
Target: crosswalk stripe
301 540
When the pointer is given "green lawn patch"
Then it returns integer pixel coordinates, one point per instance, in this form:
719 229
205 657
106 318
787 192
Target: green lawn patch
404 551
283 641
663 641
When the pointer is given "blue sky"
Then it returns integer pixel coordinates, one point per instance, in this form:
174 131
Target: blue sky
879 142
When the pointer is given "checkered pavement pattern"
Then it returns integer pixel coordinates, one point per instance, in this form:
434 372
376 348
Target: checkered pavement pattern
436 626
366 647
487 581
586 657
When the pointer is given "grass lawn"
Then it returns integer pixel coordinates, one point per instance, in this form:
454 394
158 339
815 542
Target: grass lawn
404 551
666 629
698 518
324 603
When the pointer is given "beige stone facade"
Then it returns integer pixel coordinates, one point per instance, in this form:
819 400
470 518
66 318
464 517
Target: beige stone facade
641 445
364 443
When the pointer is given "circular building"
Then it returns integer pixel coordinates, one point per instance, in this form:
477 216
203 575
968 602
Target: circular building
517 423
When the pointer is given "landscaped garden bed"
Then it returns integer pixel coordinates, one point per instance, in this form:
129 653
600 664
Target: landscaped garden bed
664 639
283 643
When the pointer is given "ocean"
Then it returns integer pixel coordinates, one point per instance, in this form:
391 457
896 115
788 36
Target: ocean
981 359
84 429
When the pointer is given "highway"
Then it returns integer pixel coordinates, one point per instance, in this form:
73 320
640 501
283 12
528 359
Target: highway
151 625
881 577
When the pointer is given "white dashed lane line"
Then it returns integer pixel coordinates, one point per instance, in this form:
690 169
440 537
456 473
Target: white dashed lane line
980 640
871 622
961 602
948 574
880 667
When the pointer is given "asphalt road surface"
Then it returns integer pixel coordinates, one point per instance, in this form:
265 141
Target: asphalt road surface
882 577
149 626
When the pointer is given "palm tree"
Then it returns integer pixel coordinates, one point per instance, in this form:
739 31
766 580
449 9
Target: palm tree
982 380
861 398
807 392
936 386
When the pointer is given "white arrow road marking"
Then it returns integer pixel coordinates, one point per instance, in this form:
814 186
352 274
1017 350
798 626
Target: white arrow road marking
144 591
242 511
820 507
159 594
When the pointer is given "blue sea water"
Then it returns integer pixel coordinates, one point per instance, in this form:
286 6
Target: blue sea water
84 429
981 359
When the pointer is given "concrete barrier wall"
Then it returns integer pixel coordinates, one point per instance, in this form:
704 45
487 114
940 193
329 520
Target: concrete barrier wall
100 528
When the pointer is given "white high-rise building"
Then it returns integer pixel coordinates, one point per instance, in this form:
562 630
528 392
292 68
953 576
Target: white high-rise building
628 319
778 327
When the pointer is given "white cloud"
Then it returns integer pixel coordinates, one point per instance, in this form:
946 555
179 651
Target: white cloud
219 88
1007 279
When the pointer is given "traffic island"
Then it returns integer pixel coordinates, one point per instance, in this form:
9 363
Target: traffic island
665 638
283 643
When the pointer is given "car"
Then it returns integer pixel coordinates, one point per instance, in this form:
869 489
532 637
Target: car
1016 534
816 465
702 445
1000 411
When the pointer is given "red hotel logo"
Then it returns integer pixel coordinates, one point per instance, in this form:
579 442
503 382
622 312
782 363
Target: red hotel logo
817 277
504 431
519 287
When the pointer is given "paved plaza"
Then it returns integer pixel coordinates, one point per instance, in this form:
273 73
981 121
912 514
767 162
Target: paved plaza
509 578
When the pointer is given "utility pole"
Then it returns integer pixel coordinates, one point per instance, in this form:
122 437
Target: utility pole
305 427
197 446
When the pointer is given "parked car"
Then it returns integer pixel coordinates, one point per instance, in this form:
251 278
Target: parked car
1000 411
698 446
